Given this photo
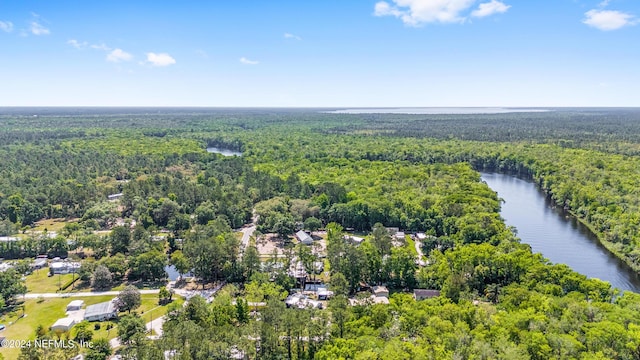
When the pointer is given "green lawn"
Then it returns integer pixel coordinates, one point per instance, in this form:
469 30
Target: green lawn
140 285
410 245
39 282
50 225
45 312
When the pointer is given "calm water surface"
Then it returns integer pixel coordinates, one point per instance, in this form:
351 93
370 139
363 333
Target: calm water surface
225 152
560 238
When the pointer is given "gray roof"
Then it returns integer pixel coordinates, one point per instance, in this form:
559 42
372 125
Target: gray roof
304 237
426 293
66 322
76 303
103 308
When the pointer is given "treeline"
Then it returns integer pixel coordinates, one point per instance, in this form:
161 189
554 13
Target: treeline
598 187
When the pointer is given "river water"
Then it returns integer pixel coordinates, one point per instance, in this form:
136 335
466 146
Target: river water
557 235
224 152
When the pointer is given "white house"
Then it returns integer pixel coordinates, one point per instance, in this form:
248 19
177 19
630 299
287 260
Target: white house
355 240
324 294
101 312
64 267
380 291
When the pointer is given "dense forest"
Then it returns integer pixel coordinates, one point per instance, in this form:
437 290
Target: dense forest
312 169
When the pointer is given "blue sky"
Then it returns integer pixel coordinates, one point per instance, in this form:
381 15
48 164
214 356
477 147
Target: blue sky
326 53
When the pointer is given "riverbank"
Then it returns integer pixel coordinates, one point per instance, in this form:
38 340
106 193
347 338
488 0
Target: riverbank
556 234
528 174
599 235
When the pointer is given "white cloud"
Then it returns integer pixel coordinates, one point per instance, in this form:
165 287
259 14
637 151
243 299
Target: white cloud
162 59
490 8
291 36
418 12
118 55
607 20
83 44
100 47
246 61
6 26
604 3
77 44
383 9
37 29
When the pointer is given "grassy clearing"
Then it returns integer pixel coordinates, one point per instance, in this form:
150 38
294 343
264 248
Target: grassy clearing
50 225
324 276
410 245
39 282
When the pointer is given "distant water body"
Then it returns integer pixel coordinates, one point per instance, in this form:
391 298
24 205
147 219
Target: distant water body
436 110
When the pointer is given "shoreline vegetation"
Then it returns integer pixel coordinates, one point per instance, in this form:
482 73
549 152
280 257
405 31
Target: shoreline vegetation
600 237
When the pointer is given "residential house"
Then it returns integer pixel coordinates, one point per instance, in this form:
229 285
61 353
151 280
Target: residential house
421 294
64 267
101 312
355 240
39 263
380 291
324 294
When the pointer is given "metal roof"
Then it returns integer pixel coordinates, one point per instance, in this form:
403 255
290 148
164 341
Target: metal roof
104 308
304 237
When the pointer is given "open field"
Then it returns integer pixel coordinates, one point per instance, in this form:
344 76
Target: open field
50 225
40 282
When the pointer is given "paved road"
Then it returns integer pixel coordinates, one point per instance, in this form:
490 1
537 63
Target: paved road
156 326
246 234
82 294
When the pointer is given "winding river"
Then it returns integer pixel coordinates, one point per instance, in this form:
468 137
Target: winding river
557 235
